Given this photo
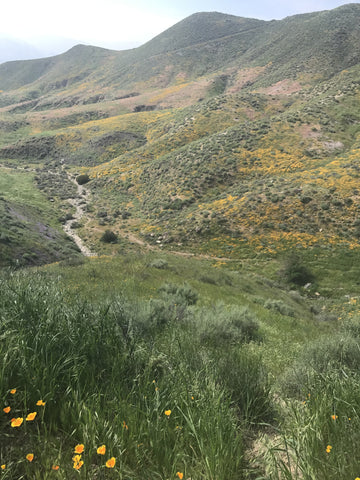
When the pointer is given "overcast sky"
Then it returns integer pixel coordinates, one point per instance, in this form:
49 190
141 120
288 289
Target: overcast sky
122 24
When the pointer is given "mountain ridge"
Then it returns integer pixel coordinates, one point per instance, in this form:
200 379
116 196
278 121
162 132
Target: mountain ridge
252 48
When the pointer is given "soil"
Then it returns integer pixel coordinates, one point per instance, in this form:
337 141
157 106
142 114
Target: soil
79 202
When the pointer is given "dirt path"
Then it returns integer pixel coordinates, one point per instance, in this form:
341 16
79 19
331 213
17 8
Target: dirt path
79 202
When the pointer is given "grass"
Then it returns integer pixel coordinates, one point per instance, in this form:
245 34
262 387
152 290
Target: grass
140 382
27 220
174 365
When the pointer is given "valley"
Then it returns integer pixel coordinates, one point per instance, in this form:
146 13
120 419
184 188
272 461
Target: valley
180 255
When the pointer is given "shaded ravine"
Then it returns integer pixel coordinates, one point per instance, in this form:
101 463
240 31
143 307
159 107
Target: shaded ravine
79 202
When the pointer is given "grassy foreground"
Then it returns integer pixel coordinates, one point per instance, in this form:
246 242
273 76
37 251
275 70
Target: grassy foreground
159 367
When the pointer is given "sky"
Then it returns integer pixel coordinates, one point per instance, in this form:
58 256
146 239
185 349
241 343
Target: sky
53 27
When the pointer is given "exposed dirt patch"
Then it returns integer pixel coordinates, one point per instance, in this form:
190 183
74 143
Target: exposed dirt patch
284 87
310 131
243 78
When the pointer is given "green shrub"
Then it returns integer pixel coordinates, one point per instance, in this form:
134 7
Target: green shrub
183 294
223 327
295 272
109 237
339 353
279 306
159 263
82 179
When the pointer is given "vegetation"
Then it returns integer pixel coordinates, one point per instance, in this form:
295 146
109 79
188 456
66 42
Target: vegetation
174 369
213 331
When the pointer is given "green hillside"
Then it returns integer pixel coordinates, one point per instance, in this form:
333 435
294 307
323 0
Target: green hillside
190 213
233 134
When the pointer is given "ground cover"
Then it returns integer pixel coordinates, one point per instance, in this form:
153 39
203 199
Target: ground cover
173 366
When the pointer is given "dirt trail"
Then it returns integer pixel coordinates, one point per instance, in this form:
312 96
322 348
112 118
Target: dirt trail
79 202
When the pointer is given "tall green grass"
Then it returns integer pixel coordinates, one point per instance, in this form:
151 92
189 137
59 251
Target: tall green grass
320 434
134 376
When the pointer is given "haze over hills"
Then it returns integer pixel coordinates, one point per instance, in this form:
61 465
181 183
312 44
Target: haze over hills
12 49
221 127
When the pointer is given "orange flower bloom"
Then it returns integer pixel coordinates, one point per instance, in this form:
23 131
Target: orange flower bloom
31 416
79 448
55 467
125 426
6 409
168 413
180 475
334 417
40 403
16 422
3 466
30 457
111 462
328 449
101 450
13 391
78 463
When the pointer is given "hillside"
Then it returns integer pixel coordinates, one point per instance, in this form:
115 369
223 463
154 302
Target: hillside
190 213
233 134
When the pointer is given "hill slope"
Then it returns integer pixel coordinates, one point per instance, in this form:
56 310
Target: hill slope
324 42
222 134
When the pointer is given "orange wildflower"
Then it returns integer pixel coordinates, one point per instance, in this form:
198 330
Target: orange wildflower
13 391
31 416
168 413
16 422
180 475
55 467
30 457
334 417
111 462
40 403
101 450
79 448
78 463
3 466
6 409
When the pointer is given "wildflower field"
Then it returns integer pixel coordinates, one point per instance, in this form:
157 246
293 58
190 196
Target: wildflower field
150 367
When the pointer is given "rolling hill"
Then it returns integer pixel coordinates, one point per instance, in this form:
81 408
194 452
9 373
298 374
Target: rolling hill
223 134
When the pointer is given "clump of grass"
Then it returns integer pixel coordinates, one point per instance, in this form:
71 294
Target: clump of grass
279 306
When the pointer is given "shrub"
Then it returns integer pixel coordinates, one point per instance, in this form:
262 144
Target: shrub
294 271
339 353
221 327
159 263
183 294
279 306
109 237
82 179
